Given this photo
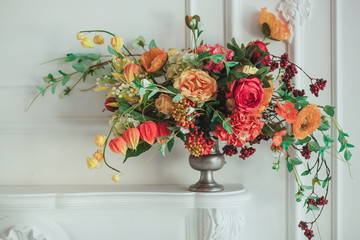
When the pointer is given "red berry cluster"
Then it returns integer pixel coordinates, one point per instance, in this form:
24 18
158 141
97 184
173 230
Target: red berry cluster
319 84
284 60
246 152
318 202
181 116
230 150
305 152
273 66
298 93
289 74
308 232
198 145
259 138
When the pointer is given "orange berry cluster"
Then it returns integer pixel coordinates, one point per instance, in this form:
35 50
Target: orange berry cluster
198 145
181 116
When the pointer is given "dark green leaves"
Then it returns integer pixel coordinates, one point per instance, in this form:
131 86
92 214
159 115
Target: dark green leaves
294 161
314 146
152 44
141 148
80 67
329 110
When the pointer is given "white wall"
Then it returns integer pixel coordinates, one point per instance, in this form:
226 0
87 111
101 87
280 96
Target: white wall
48 145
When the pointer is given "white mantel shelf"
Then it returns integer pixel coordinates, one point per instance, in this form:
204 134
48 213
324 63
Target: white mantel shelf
157 211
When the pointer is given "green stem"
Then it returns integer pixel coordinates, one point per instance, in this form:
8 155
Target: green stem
103 31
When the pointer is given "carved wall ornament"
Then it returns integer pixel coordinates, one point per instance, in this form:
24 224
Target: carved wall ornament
23 233
295 12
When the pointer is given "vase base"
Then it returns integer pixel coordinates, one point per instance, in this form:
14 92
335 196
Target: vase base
208 187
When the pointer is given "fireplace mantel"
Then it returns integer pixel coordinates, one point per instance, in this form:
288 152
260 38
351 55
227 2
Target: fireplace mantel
129 212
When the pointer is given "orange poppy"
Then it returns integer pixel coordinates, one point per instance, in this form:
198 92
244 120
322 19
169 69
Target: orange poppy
268 92
277 139
287 111
153 60
272 27
306 121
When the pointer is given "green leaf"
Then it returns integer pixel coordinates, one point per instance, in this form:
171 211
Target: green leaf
329 110
217 58
153 92
203 55
113 52
313 197
174 90
240 75
305 173
313 207
265 29
62 73
328 138
325 182
70 57
53 87
307 187
314 146
141 148
152 44
347 155
294 161
170 144
177 98
162 149
263 71
324 126
287 140
227 126
303 141
181 136
350 145
65 80
289 166
93 56
80 67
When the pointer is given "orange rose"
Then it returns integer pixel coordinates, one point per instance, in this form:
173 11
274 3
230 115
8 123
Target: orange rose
196 85
153 60
164 104
272 27
268 92
306 121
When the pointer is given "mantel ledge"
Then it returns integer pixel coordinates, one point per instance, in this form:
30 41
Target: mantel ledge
69 197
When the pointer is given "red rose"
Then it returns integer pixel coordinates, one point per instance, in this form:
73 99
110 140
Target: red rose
256 55
247 93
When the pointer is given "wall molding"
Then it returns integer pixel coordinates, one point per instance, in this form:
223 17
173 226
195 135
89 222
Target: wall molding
23 233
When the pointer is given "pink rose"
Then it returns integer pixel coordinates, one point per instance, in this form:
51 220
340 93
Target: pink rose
247 93
215 50
256 55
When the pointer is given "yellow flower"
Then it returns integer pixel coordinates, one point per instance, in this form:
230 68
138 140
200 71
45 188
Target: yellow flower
91 162
248 69
117 43
87 42
100 140
172 52
115 177
98 39
80 36
99 155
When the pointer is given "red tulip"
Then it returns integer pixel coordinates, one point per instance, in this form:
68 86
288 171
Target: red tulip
148 132
130 70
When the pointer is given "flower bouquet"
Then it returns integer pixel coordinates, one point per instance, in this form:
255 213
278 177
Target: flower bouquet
241 95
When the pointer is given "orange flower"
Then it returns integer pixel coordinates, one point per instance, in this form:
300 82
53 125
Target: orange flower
118 145
196 85
153 60
164 104
131 137
287 111
307 121
148 132
277 139
130 71
272 27
163 131
268 92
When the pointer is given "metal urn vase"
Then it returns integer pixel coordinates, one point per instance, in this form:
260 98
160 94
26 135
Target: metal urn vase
206 165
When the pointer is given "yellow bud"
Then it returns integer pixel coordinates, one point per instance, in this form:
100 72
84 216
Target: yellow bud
115 177
99 155
117 43
87 42
100 140
91 162
172 52
80 36
98 39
